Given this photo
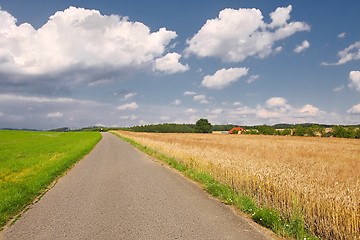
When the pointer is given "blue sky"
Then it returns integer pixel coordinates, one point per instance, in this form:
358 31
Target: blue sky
81 63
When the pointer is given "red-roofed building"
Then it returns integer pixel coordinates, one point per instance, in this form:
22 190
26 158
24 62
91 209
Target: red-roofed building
238 130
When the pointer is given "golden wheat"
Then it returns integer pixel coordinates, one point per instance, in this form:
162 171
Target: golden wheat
316 177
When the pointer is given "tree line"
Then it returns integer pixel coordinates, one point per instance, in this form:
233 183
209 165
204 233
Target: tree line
306 129
204 126
201 126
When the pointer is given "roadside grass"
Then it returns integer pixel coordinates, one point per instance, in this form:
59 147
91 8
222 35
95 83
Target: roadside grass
267 217
31 161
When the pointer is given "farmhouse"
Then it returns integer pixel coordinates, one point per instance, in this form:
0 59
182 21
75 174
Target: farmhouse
238 130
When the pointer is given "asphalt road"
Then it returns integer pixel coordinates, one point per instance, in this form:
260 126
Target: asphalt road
117 192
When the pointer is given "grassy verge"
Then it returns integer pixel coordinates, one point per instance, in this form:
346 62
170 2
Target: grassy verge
31 161
270 218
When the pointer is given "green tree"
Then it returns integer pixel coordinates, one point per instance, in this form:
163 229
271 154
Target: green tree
342 132
299 131
252 131
203 126
357 133
286 132
310 131
266 130
315 130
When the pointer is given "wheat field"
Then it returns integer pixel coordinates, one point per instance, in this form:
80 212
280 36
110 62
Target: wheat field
318 178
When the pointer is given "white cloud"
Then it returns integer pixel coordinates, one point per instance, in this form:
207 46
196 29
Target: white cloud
355 109
224 77
189 93
309 110
276 109
278 49
341 35
265 113
252 78
128 106
176 102
201 99
76 40
276 102
302 47
129 95
55 115
170 64
237 34
280 17
348 54
354 77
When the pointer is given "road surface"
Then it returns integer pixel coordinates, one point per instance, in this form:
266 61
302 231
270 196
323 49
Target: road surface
117 192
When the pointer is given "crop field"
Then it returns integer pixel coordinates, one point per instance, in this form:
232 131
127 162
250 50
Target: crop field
30 161
315 178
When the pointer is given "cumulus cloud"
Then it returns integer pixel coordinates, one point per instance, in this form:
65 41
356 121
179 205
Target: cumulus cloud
170 64
348 54
237 34
277 109
354 77
76 43
128 106
355 109
267 114
276 102
280 17
309 110
224 77
201 99
302 47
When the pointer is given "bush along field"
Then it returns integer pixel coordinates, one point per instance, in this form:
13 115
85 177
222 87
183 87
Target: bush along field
31 161
299 187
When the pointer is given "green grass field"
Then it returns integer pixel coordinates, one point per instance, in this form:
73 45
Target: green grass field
31 161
